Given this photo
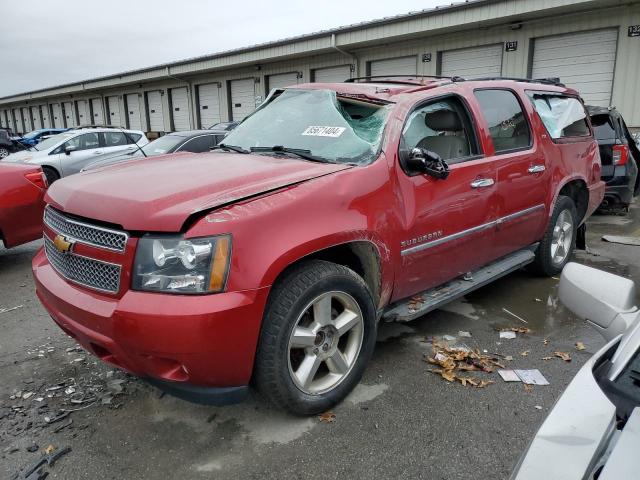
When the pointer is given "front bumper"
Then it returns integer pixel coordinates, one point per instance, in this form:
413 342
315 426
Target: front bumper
196 347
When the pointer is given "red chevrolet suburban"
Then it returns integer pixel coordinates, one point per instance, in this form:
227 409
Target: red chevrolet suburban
270 261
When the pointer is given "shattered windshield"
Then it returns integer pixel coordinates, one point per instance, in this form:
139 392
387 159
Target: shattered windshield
318 122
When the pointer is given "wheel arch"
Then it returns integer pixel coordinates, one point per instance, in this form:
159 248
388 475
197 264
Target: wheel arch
363 256
577 190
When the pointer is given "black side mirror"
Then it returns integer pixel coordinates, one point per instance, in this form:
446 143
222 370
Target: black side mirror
427 162
70 148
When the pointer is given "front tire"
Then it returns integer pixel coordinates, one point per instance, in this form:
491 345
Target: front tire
318 335
559 240
4 152
51 174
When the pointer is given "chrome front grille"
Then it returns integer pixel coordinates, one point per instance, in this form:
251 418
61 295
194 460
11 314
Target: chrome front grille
82 270
85 233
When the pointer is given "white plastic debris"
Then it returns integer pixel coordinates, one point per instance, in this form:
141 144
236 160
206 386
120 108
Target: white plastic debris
509 375
508 334
462 333
532 377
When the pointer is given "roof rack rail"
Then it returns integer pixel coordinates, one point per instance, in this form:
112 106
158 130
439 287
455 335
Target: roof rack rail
97 126
390 78
546 81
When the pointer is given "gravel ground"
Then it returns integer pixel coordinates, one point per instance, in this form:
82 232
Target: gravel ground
401 422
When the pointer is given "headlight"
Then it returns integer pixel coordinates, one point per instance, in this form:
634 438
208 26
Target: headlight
177 265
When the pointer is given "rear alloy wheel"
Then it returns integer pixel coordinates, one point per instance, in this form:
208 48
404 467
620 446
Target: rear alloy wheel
317 337
559 240
4 152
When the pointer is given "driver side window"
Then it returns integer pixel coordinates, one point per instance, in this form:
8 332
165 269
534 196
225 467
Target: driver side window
83 142
442 127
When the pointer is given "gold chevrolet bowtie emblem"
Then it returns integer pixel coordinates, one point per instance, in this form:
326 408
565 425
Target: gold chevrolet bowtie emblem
62 244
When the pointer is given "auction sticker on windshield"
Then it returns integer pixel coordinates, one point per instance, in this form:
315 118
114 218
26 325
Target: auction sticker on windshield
318 131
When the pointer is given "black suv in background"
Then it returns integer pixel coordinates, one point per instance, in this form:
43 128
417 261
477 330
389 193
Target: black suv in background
620 156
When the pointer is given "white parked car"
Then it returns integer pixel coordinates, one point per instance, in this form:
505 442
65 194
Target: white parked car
68 152
593 431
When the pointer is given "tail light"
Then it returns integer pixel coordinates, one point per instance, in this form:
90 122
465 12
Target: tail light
620 154
39 179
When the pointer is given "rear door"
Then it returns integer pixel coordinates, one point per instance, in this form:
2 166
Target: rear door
450 223
115 141
523 175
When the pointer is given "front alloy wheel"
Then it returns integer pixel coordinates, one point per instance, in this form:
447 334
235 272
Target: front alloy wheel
325 342
4 152
318 334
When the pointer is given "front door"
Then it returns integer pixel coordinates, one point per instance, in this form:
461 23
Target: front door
87 148
523 173
448 224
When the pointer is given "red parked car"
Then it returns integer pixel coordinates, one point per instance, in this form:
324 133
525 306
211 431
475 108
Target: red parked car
270 261
22 189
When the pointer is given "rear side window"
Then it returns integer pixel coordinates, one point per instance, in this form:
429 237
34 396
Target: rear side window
133 137
562 116
507 122
198 144
114 139
603 127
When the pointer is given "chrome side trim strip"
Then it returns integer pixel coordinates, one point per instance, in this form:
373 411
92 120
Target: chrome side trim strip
469 231
519 214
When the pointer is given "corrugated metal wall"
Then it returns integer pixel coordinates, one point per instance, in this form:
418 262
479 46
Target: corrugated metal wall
421 37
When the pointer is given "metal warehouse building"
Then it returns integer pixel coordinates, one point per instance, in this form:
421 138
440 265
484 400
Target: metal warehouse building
592 45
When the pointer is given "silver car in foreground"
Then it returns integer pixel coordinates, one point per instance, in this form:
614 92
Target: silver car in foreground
69 152
593 431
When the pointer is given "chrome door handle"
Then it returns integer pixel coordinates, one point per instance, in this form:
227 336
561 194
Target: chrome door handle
482 183
537 169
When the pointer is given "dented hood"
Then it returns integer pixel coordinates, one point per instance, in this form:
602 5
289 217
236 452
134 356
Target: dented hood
159 194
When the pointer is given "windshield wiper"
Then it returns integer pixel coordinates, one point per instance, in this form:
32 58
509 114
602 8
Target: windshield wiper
233 148
299 152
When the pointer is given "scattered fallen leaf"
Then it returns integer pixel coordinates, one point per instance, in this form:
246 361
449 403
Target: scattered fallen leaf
563 355
545 341
547 358
452 360
509 358
327 417
484 383
580 346
525 353
49 450
528 387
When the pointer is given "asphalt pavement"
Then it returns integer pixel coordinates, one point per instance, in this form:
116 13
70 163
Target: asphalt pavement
402 421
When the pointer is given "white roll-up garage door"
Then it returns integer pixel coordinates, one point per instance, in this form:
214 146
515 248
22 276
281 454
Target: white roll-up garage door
133 111
243 100
96 111
154 105
69 114
46 116
3 121
584 61
37 119
394 66
180 109
26 117
58 118
485 61
282 80
209 104
113 109
332 74
83 113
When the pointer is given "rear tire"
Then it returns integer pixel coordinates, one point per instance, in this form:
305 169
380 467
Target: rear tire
318 334
51 174
559 240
